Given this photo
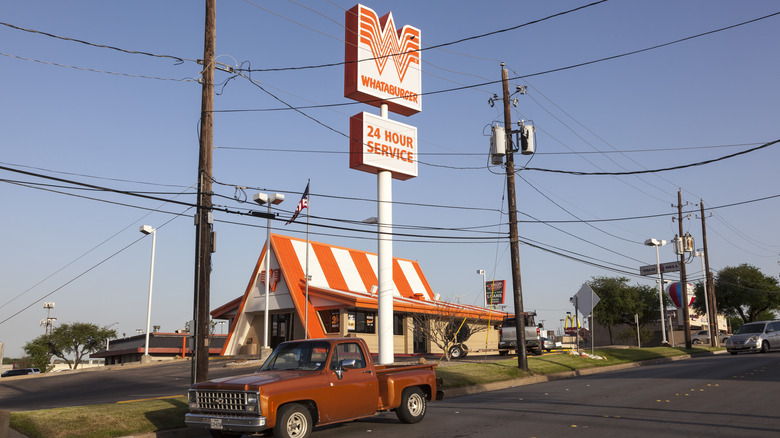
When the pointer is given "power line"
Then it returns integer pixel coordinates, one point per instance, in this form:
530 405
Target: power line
337 64
663 169
98 71
465 87
103 46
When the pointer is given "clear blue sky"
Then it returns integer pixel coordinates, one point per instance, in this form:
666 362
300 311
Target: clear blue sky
64 115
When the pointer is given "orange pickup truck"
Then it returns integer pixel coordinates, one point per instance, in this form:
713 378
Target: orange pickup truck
309 383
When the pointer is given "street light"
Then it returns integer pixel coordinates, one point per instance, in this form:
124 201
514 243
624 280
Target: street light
484 284
656 243
275 199
147 229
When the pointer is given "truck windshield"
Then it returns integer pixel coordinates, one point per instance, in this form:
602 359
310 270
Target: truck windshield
298 356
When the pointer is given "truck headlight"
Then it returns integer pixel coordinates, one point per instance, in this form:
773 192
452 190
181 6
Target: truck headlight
252 403
192 398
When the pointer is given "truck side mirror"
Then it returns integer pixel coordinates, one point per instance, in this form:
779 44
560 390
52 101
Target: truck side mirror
343 365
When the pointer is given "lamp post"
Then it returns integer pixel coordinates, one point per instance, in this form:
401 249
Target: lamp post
147 229
275 199
484 292
656 243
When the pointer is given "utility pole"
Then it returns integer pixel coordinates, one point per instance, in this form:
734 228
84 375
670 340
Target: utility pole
683 281
203 217
713 308
517 288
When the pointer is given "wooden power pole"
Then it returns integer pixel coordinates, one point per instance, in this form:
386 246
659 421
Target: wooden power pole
203 216
517 288
713 307
683 281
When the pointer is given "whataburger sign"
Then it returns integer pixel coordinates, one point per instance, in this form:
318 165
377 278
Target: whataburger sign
382 64
382 67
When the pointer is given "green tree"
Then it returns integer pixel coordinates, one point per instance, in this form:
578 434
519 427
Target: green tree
619 302
743 291
74 340
38 355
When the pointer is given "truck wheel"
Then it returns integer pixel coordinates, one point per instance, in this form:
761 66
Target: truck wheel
503 352
293 421
456 352
413 406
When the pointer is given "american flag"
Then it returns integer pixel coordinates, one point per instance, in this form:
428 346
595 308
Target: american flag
301 205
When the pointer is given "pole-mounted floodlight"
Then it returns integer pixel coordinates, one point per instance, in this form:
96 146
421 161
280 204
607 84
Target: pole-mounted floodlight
147 229
265 199
484 292
656 243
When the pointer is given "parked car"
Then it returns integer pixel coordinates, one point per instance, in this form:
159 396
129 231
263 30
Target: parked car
18 372
759 336
547 344
310 383
703 337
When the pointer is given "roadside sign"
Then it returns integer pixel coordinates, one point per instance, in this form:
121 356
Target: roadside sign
585 299
665 267
494 292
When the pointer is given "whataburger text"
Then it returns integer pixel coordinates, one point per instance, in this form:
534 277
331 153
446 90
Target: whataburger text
390 89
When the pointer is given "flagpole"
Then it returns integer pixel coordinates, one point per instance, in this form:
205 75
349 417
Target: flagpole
306 304
304 203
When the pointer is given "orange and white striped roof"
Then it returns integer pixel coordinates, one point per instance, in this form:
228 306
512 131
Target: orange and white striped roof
345 269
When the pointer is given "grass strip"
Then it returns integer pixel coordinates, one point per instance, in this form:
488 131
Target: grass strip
474 373
102 421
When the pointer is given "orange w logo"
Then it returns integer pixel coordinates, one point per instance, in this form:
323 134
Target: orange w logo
380 35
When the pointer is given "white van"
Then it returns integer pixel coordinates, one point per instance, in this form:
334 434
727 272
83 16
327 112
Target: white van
759 336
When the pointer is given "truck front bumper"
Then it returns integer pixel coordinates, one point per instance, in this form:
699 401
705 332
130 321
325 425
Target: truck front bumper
226 423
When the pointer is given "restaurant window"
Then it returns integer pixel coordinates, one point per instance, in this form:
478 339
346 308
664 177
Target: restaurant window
360 321
331 319
398 323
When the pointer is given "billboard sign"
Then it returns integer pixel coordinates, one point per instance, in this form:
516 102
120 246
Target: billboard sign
382 63
378 144
494 292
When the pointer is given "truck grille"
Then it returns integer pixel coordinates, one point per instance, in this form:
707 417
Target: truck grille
221 401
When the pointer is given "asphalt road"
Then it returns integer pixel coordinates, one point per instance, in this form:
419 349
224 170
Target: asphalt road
110 385
723 395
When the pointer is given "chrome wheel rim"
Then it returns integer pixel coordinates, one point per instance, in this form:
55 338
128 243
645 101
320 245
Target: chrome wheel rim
415 405
297 425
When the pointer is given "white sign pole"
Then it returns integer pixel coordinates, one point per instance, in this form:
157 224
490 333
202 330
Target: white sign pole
385 251
660 297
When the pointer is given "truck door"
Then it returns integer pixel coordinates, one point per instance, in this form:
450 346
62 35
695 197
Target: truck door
356 393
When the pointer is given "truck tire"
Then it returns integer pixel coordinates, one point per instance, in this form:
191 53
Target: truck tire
413 406
293 421
503 352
